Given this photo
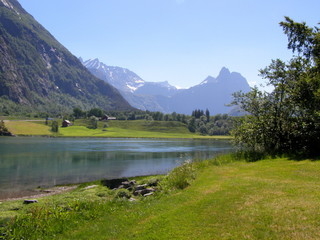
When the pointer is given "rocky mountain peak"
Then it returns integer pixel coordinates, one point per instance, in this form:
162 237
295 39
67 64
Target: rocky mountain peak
121 78
224 73
212 93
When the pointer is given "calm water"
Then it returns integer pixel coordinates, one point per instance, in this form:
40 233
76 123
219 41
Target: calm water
26 162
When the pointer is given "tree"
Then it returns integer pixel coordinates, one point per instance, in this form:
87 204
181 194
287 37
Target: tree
192 125
97 112
78 113
93 124
287 120
208 115
55 126
4 130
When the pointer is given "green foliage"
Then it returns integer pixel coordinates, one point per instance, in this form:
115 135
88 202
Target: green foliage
55 126
3 129
51 219
96 112
180 177
122 193
93 122
45 77
192 125
285 121
202 123
78 113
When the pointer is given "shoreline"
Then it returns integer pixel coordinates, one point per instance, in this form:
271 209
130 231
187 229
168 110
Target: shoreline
222 137
39 194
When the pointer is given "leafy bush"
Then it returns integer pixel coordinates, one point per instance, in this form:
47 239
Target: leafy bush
93 124
123 193
180 177
55 127
103 194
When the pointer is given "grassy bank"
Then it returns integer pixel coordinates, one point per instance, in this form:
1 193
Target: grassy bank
118 129
269 199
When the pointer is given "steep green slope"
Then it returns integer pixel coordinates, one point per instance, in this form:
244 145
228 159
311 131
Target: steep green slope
38 73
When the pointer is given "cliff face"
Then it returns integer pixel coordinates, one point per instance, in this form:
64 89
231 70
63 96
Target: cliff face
38 72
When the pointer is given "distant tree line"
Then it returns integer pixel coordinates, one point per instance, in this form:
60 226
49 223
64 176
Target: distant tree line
203 123
200 121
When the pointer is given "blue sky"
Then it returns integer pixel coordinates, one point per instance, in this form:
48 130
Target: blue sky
180 41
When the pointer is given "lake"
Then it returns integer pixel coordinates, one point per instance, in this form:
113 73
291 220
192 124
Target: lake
30 162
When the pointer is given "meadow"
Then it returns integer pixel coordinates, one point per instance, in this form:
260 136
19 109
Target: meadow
118 129
221 198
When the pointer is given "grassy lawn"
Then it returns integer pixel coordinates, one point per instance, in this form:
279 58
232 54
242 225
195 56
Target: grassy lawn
263 200
28 128
118 129
269 199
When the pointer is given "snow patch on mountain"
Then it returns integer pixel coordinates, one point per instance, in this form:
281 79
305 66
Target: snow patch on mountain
121 78
9 5
213 93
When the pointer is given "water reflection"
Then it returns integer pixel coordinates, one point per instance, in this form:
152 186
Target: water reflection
26 163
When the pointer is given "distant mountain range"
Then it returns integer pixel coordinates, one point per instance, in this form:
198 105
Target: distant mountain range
139 93
38 74
212 93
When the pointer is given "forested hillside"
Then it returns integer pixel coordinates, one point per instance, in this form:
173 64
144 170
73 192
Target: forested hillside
38 74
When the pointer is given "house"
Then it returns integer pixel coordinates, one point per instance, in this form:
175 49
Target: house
106 117
66 123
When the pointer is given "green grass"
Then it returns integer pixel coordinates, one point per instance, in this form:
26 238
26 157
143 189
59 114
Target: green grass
115 129
269 199
28 128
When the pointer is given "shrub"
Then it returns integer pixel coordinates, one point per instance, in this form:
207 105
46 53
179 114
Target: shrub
93 124
123 193
180 177
55 127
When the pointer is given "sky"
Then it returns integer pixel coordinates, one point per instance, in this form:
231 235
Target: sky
180 41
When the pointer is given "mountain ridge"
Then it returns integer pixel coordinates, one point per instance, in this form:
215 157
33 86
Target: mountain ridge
212 93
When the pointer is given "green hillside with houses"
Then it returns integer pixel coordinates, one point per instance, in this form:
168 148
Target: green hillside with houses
114 128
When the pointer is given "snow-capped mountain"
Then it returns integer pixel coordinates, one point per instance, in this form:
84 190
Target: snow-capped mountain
121 78
139 93
212 93
157 88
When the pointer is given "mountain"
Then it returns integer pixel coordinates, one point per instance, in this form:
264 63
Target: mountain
121 78
212 93
139 93
37 73
157 88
